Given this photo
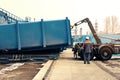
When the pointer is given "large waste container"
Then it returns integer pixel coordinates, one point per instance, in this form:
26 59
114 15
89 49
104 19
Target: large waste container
41 35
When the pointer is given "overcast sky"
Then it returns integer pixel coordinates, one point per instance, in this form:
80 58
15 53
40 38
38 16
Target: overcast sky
75 10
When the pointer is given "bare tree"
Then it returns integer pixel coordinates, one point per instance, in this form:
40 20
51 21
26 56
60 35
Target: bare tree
111 24
114 24
107 25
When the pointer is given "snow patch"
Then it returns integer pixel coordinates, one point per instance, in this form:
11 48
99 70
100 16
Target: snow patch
10 68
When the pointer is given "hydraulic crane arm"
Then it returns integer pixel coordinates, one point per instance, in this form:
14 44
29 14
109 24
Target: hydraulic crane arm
91 28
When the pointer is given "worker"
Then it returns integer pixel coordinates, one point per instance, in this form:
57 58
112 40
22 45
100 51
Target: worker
87 47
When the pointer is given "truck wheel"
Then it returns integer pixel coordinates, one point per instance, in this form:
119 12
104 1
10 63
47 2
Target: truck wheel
80 53
105 53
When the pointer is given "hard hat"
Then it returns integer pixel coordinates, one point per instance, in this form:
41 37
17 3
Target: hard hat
87 37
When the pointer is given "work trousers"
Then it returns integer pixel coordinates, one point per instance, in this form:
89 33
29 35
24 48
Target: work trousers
87 57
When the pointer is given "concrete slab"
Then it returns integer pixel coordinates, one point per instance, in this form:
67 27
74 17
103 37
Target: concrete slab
41 74
67 68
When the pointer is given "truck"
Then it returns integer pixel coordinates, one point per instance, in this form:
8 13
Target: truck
100 51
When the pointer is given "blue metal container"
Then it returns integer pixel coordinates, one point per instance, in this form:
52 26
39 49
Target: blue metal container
36 35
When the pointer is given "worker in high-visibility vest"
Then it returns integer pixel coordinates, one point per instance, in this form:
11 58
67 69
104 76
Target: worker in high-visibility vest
87 47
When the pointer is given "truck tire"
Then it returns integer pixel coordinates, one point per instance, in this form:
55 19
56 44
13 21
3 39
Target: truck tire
105 53
80 53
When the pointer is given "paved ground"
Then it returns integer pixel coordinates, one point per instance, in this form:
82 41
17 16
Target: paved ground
67 68
112 67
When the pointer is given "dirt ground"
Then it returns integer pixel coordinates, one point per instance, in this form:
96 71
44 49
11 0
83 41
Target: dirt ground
24 72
